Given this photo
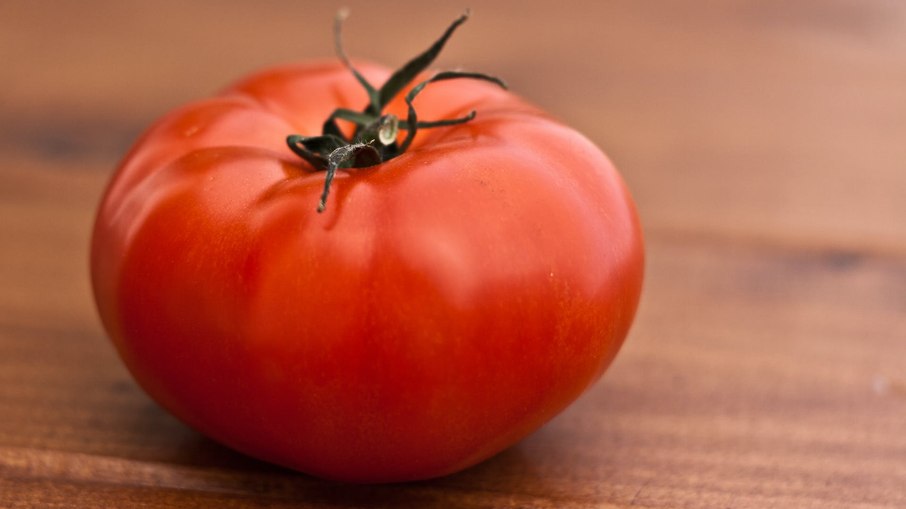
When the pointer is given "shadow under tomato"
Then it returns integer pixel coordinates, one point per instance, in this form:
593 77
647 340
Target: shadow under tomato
219 469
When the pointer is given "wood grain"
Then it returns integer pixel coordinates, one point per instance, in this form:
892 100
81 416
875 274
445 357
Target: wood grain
764 141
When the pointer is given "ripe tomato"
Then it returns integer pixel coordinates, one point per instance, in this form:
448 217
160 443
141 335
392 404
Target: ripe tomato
446 303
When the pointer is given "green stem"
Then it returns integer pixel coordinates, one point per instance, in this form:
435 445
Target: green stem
375 136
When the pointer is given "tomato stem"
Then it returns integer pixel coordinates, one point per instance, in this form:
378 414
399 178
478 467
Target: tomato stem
374 139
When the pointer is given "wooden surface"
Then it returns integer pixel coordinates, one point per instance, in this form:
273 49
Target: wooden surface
764 140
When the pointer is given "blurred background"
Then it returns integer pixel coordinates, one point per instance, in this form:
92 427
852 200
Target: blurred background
764 142
774 107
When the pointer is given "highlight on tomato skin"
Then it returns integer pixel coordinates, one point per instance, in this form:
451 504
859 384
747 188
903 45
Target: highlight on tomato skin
363 274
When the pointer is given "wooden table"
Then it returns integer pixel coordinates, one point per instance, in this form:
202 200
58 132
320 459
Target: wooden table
764 140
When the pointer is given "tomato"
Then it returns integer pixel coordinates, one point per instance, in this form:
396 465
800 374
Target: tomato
446 302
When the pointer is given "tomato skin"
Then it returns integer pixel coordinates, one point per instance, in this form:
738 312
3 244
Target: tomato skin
446 304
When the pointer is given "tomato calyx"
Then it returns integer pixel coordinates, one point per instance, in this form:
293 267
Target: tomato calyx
375 137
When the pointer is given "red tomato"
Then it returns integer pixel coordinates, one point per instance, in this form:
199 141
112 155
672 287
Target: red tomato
448 301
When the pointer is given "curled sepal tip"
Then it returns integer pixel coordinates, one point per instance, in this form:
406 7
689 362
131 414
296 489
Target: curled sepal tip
357 155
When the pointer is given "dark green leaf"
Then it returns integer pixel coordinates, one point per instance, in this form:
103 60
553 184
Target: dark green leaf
408 72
